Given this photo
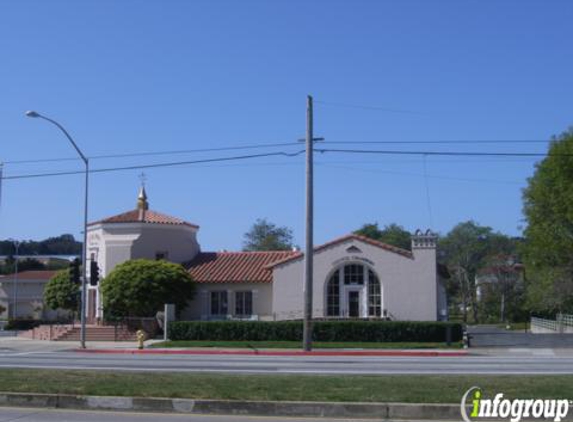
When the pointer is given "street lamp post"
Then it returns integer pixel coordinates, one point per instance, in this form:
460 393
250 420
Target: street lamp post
15 278
84 246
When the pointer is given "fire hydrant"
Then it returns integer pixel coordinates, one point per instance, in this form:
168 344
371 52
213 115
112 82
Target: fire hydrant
140 338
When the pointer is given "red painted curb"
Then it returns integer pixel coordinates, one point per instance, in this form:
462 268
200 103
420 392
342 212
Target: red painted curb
395 353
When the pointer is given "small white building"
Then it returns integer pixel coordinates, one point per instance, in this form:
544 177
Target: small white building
354 276
23 294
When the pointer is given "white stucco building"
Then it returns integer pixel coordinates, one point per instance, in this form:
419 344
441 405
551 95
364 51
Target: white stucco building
354 276
22 295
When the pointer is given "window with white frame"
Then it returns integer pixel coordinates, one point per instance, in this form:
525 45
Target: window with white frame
244 303
354 274
343 279
374 295
219 303
333 295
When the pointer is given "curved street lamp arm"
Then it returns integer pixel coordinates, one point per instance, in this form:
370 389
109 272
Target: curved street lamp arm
84 158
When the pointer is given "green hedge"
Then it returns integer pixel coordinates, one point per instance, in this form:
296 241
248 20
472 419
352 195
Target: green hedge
28 324
368 331
22 324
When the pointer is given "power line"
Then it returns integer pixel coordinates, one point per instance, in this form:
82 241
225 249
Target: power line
152 153
157 165
282 144
448 160
443 153
286 154
449 141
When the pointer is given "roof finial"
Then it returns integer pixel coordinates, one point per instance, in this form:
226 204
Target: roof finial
142 203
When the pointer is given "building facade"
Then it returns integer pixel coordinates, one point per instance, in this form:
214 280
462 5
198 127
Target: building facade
354 276
22 296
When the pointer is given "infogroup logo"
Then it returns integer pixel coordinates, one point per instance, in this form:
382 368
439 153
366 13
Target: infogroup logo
514 410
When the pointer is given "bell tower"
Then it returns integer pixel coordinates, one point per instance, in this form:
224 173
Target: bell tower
142 204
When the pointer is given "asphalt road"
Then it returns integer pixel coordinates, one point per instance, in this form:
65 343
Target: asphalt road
53 415
543 362
493 336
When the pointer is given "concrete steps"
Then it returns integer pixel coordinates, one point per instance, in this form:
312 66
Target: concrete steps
72 333
99 333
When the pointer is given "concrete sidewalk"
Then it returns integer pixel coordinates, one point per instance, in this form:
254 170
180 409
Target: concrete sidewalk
18 344
375 411
22 345
277 352
378 411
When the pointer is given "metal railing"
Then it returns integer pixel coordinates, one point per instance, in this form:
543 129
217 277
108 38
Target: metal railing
132 324
566 319
547 324
562 323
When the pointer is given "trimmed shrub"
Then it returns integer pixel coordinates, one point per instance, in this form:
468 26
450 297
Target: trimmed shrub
352 331
22 324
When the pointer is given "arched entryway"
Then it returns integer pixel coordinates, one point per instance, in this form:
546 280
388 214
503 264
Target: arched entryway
353 291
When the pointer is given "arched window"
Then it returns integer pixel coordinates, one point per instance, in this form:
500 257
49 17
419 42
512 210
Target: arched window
333 295
346 289
374 295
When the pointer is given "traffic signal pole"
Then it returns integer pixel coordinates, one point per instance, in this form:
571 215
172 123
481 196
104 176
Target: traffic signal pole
94 273
84 255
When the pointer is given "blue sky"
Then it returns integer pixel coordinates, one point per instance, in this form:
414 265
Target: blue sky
145 76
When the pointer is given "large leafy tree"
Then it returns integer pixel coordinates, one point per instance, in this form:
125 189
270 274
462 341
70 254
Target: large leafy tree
141 287
266 236
392 234
61 293
64 244
502 289
548 249
23 265
466 249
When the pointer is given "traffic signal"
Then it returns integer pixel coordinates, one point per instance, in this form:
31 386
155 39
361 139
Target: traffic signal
75 271
94 273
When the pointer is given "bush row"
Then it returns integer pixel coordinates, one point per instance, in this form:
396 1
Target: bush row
28 324
367 331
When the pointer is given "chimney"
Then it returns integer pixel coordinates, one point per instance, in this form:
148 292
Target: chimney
427 240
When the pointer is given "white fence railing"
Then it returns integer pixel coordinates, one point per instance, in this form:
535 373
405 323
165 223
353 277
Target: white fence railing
562 324
567 320
542 323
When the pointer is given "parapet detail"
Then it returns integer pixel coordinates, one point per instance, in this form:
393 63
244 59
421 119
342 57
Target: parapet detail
424 240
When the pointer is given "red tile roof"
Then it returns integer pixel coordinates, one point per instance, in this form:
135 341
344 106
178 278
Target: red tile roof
235 267
342 239
31 275
147 216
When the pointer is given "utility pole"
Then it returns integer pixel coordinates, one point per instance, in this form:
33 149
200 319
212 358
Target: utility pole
1 180
83 305
16 244
309 248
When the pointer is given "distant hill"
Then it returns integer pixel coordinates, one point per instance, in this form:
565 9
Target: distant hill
60 245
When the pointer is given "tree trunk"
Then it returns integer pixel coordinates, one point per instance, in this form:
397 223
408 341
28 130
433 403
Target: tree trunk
463 293
473 298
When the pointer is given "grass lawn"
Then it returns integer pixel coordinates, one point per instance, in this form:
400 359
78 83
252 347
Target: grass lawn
298 345
399 388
